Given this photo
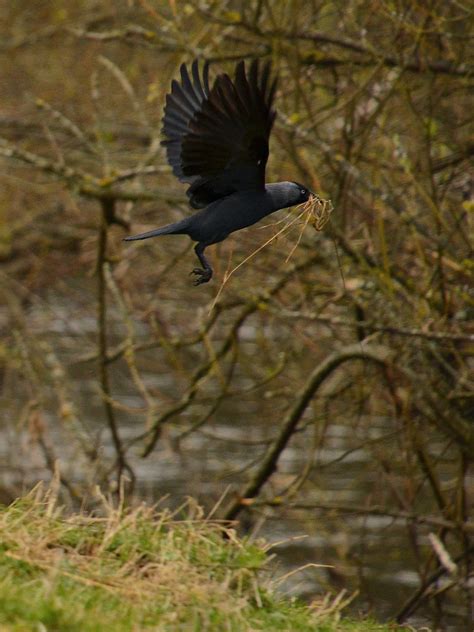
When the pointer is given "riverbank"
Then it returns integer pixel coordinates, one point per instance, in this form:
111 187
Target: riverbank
141 569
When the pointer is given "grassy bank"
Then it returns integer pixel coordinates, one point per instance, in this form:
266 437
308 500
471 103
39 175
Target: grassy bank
139 570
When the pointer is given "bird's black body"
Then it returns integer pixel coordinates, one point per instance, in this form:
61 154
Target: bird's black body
217 142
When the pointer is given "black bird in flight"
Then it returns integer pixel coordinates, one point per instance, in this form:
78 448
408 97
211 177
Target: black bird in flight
217 143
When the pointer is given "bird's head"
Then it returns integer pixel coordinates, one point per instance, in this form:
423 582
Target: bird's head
299 193
286 194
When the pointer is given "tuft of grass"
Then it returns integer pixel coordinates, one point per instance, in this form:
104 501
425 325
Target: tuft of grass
138 569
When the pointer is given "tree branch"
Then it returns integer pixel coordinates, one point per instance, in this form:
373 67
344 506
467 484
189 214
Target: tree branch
269 462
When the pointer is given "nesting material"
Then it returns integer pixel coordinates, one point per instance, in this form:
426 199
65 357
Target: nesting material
319 211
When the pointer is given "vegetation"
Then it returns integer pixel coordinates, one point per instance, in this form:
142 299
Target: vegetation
329 383
138 570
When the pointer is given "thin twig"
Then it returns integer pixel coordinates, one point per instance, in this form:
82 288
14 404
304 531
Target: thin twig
107 213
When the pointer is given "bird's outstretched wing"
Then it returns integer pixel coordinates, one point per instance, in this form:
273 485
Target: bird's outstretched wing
217 139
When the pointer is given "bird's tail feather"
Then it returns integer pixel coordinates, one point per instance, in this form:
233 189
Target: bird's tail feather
170 229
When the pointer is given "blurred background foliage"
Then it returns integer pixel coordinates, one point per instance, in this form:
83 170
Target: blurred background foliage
325 386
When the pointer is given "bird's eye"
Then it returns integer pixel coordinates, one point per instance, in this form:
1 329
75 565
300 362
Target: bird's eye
303 191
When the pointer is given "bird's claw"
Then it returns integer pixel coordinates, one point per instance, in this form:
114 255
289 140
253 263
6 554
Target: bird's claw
204 275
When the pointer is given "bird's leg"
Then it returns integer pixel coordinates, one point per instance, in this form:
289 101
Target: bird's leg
203 274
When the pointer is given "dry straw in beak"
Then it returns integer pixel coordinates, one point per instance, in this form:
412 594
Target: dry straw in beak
315 211
319 211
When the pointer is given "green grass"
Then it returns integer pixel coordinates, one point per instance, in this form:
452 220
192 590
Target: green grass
140 570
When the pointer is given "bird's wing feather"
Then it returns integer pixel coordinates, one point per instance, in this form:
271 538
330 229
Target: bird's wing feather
182 104
217 140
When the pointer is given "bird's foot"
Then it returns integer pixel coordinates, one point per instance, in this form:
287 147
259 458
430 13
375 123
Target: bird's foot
204 275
